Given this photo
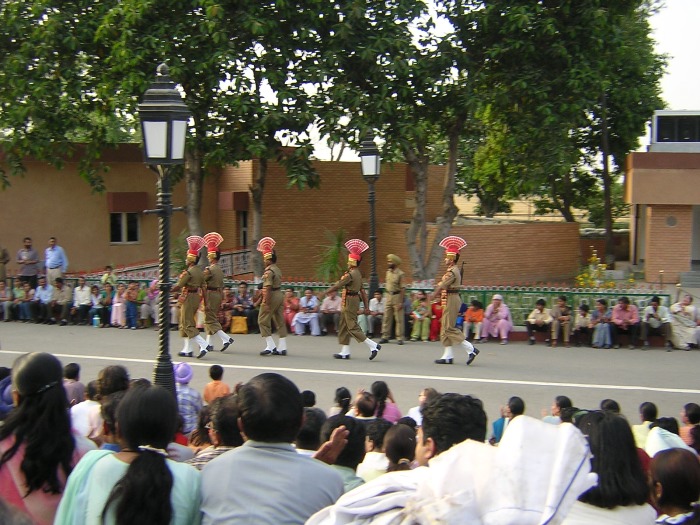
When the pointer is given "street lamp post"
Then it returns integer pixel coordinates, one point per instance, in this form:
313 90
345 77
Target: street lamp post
164 117
371 163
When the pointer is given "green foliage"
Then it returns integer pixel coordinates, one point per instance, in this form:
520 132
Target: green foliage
331 257
178 253
596 206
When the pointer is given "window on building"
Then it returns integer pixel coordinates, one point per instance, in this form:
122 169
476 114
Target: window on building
243 227
124 228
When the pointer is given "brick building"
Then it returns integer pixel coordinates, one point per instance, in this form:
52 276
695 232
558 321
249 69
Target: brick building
110 228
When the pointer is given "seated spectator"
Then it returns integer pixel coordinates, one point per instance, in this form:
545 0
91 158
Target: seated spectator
94 314
189 402
497 321
108 413
690 417
362 318
342 401
684 323
291 307
81 412
663 435
308 314
118 319
560 403
216 387
148 304
420 314
225 310
625 321
27 304
621 493
17 296
376 313
308 397
75 390
539 320
513 408
82 302
435 319
266 469
473 317
37 447
106 299
111 379
581 332
330 312
656 320
139 484
647 414
425 396
675 487
561 321
43 295
61 302
375 462
354 451
600 323
5 302
309 437
386 407
243 306
223 430
364 407
400 447
610 405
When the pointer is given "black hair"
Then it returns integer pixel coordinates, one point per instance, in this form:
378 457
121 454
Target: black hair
678 472
308 398
407 421
692 412
59 280
453 418
400 447
655 299
216 372
477 304
376 430
112 379
621 480
516 406
4 371
563 402
648 411
456 257
562 298
624 300
26 239
309 436
199 437
366 404
40 422
667 423
584 307
567 414
147 417
380 390
602 301
354 452
695 438
108 409
610 405
271 409
224 420
343 399
541 302
273 256
71 371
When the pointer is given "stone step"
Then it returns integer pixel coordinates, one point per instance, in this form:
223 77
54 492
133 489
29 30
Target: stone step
690 279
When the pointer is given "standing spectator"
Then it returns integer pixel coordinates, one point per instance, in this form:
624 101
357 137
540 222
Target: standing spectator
61 302
539 320
308 314
561 321
189 401
216 387
82 301
4 259
330 312
656 320
42 301
118 315
395 285
266 469
581 327
139 484
28 259
37 448
497 320
600 323
684 323
625 320
5 301
130 299
291 307
376 313
75 390
55 260
109 276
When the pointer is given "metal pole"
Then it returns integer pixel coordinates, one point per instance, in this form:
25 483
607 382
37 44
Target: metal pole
373 277
163 373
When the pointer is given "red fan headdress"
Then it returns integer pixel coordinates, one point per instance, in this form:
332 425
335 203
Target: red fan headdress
452 245
266 246
355 247
213 240
194 244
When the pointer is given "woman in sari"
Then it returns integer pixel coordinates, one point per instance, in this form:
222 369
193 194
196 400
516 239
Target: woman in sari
684 323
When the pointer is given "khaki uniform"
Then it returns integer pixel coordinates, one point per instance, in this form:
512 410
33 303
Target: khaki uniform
392 312
274 313
450 335
214 279
190 283
351 281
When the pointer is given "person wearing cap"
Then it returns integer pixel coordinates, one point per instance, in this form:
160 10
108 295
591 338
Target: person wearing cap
189 285
213 294
497 321
189 401
395 287
351 283
448 290
272 301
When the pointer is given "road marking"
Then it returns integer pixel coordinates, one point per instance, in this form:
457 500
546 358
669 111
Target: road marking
390 375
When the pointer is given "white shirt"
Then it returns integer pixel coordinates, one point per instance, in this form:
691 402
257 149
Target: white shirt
85 418
376 306
663 313
81 295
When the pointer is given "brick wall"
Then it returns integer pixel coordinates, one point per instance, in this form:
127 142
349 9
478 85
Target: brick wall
668 246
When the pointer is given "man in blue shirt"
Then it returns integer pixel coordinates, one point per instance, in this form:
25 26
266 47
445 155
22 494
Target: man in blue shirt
55 260
42 301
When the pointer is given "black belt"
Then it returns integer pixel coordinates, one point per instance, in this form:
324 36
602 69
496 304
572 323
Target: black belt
348 292
452 291
394 293
53 267
276 289
211 289
191 289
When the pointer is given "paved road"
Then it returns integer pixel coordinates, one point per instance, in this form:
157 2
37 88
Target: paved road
535 373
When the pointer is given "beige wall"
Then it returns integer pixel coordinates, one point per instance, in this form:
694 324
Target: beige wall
663 178
668 247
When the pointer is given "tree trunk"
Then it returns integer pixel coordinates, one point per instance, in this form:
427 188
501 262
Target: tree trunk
194 178
257 189
607 186
416 235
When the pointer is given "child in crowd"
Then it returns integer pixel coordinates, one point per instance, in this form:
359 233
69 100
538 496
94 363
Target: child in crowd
473 317
189 402
216 387
581 329
435 319
132 309
119 307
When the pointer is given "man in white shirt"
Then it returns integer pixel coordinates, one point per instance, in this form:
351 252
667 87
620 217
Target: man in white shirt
376 312
82 301
308 314
656 320
330 311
